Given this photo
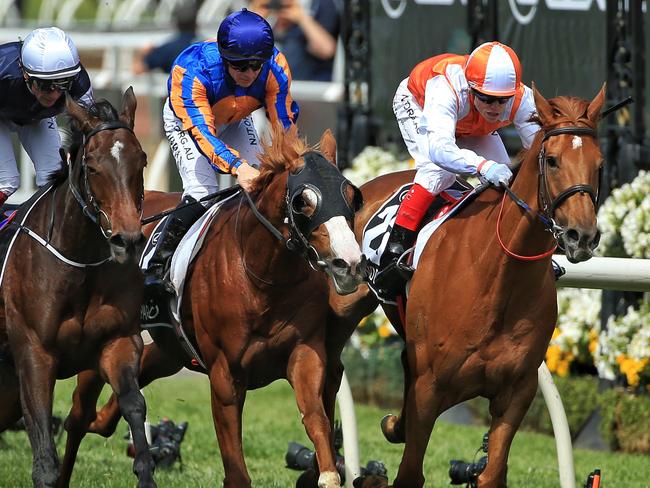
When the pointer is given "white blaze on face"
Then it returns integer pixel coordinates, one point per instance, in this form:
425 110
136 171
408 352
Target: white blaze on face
342 241
576 142
115 150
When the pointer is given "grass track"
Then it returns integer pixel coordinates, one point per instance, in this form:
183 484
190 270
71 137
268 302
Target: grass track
271 420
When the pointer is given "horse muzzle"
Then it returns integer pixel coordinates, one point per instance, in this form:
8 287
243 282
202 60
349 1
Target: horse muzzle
126 246
347 276
579 244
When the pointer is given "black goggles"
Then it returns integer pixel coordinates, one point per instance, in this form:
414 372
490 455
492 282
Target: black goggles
489 99
246 64
61 84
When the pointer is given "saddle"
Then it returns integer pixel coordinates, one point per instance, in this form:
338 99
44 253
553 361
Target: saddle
377 230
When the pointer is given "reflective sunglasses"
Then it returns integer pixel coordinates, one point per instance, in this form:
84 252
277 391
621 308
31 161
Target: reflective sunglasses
489 99
61 84
246 64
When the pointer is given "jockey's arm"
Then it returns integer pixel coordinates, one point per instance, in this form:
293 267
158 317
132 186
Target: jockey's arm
189 101
524 126
280 107
439 117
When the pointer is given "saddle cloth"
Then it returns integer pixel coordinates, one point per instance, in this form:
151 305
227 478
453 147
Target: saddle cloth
156 314
379 226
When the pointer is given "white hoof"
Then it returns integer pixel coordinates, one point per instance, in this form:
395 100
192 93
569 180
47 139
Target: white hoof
329 480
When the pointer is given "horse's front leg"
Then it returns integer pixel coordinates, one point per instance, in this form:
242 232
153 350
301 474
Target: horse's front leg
228 394
306 373
507 409
155 363
393 426
37 375
120 364
82 413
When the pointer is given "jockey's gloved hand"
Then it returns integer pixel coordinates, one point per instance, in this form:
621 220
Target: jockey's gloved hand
498 174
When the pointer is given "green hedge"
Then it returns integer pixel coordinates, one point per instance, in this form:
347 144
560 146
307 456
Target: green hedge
376 378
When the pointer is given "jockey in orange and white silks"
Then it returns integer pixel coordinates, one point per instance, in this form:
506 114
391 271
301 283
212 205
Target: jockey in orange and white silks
448 111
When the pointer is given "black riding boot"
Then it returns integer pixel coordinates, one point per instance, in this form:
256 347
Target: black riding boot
391 277
175 227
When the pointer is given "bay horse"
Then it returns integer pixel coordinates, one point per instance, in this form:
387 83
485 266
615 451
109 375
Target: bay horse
254 300
482 303
71 287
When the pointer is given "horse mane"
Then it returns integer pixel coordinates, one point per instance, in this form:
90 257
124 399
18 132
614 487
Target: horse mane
100 109
282 153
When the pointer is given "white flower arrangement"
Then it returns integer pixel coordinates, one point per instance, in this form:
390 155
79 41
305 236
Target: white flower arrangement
372 162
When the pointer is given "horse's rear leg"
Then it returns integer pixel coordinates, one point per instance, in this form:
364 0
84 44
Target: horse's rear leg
155 364
421 410
392 426
507 410
84 402
306 373
120 364
228 395
37 373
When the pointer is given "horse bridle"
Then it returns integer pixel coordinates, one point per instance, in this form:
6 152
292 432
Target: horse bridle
301 226
92 210
548 209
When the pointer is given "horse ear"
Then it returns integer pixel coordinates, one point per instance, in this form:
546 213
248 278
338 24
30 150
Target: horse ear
328 146
129 104
596 105
544 110
85 121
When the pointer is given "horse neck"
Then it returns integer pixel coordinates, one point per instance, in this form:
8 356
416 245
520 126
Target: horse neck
523 231
263 254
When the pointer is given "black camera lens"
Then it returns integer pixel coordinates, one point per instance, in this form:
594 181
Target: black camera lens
462 473
299 457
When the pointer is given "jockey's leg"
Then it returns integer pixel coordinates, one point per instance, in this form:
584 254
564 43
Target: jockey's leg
402 236
173 230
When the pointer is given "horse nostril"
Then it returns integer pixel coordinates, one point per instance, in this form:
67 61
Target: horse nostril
595 241
118 241
339 263
572 235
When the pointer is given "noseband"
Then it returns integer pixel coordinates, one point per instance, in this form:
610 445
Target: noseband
544 195
92 209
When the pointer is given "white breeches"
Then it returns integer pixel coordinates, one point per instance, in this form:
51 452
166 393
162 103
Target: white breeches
41 141
198 175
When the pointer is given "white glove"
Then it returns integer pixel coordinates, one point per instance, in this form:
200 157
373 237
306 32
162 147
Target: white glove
498 174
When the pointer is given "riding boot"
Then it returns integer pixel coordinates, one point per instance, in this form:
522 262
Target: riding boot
171 234
394 274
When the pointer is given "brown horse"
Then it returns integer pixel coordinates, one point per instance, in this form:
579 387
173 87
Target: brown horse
71 288
254 302
478 320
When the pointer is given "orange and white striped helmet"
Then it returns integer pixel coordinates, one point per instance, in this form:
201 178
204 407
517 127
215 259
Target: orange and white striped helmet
494 69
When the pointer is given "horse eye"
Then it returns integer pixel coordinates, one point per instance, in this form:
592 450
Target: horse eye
298 204
551 161
91 171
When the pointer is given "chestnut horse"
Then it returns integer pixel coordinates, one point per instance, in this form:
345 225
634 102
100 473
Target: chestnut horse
482 302
71 287
254 301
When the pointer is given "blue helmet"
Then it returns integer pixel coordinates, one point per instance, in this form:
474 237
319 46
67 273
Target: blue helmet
245 35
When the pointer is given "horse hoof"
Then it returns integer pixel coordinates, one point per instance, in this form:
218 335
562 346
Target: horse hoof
371 481
388 427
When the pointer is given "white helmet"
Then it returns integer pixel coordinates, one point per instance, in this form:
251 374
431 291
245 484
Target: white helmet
49 54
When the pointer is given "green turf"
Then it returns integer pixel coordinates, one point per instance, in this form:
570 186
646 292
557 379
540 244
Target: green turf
271 420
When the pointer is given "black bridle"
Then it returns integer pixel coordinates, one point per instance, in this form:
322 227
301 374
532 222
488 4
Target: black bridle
91 209
328 185
544 194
